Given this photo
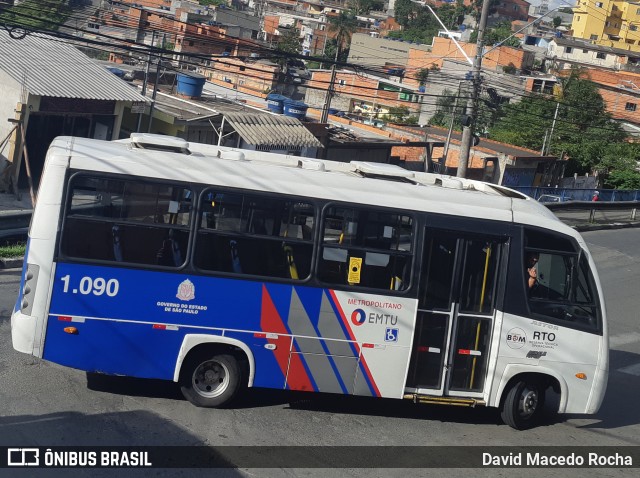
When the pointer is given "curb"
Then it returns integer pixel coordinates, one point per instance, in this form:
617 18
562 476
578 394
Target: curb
11 263
601 227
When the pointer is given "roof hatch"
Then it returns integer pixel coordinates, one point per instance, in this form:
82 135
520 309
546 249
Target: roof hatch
382 171
159 142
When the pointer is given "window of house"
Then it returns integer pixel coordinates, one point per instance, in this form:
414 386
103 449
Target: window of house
599 4
366 247
600 55
342 82
585 51
190 43
126 221
254 234
593 37
633 28
630 107
568 49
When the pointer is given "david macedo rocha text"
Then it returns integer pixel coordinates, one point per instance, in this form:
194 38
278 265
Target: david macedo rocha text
570 459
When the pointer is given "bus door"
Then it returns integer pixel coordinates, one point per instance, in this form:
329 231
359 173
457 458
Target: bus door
458 287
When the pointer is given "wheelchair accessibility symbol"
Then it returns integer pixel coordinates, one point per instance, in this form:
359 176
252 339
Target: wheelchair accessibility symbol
391 335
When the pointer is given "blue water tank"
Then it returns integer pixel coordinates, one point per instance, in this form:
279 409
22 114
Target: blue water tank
275 102
295 109
190 84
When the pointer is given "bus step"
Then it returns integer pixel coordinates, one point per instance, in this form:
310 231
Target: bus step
460 402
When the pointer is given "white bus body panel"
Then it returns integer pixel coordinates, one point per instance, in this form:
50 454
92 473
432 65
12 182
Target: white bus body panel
28 331
531 346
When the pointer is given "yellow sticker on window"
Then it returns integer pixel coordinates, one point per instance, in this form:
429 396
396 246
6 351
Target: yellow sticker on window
355 266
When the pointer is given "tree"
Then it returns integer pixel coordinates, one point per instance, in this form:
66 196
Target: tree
405 11
211 2
343 26
288 44
360 7
422 75
444 110
401 114
37 15
419 25
584 132
500 33
557 21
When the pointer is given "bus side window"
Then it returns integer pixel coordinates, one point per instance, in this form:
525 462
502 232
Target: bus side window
365 247
125 221
255 235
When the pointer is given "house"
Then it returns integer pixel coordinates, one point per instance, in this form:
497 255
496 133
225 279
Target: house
444 49
48 89
250 75
370 96
566 52
608 23
372 51
212 120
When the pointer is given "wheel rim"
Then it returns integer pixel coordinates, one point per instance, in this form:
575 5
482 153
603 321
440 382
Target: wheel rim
210 379
528 403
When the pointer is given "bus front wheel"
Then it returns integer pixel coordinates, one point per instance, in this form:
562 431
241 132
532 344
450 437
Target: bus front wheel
523 404
210 381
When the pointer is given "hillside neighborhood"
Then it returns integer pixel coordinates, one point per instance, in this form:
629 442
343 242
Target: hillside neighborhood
343 80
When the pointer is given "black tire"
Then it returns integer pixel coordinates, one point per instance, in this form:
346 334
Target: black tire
210 380
523 405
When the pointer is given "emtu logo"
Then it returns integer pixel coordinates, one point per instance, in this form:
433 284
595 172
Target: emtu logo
358 317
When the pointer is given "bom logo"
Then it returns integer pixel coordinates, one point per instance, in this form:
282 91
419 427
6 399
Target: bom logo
516 338
358 317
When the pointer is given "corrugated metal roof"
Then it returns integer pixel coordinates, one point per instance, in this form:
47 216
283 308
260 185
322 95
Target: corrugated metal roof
281 132
49 67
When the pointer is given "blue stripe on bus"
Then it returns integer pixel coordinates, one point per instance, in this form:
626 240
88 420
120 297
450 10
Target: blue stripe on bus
117 348
196 304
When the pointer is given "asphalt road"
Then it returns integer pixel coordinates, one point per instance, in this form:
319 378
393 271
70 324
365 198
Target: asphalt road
43 404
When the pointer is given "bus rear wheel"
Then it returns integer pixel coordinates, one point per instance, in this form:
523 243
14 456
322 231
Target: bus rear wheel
523 404
210 381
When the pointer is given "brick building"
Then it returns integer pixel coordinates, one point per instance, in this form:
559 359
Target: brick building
366 95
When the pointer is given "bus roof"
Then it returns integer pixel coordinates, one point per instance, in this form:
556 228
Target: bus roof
384 185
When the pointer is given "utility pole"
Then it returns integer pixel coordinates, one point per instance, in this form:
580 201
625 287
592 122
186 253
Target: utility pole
327 99
472 103
155 84
146 76
553 125
445 152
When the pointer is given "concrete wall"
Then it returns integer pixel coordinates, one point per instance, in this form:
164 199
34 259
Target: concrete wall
9 98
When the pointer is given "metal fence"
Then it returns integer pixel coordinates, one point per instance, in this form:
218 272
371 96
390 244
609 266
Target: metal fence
582 194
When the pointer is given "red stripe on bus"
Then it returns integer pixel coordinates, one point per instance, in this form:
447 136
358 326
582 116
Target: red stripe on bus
464 352
352 337
260 336
294 372
367 346
423 349
159 326
64 318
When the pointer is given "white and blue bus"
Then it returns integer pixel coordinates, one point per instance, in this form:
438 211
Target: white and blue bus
220 269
